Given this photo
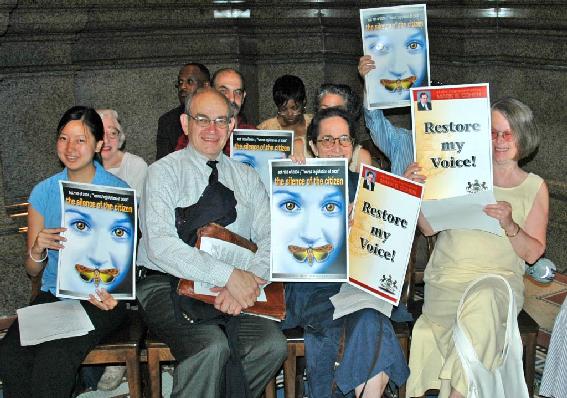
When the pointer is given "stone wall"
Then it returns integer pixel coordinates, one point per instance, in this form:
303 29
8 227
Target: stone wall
125 55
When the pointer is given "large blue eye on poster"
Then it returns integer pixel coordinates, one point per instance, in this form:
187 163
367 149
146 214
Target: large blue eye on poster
256 147
101 235
396 39
309 210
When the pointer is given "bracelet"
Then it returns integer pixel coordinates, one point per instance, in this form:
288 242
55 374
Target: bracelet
41 260
515 233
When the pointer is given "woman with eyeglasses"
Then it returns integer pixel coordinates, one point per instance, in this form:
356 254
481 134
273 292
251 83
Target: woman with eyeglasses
129 167
49 369
342 96
372 354
290 99
460 257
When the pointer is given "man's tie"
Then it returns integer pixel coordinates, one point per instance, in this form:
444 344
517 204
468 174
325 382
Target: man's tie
214 177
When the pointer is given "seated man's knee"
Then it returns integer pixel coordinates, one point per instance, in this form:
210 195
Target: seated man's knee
216 350
274 345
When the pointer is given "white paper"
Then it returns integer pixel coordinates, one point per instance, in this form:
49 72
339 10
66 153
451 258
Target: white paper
52 321
462 212
227 252
351 299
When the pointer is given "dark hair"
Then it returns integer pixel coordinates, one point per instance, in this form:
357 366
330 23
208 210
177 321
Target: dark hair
313 129
522 123
352 101
89 117
222 70
288 87
204 70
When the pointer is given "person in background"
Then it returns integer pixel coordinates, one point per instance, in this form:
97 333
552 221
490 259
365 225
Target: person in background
191 77
129 167
230 83
289 97
132 169
342 96
49 369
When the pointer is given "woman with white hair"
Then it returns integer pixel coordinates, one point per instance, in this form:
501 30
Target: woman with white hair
132 169
129 167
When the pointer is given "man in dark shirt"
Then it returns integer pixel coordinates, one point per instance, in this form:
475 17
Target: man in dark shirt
191 77
230 83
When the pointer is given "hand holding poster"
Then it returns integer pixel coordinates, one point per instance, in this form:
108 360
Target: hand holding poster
309 206
380 240
396 39
452 144
101 233
256 147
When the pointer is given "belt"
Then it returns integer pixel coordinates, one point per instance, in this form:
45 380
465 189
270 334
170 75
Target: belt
144 272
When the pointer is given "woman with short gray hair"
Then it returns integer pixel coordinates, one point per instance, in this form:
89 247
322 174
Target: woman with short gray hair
129 167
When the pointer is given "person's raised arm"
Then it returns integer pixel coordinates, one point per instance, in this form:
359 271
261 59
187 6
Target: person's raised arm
395 142
528 241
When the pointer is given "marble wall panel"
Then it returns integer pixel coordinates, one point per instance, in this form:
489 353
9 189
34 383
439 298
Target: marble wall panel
126 55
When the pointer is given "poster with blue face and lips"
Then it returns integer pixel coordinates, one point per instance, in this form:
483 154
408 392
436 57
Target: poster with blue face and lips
256 147
101 232
396 39
309 210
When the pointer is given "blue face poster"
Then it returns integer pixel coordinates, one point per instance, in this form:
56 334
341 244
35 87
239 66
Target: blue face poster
309 209
256 147
101 232
396 39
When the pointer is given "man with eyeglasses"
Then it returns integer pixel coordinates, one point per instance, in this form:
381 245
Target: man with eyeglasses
178 181
191 77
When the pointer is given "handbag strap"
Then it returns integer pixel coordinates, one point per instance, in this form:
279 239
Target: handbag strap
458 334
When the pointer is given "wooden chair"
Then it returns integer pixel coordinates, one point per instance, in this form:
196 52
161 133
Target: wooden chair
295 349
157 352
526 324
122 347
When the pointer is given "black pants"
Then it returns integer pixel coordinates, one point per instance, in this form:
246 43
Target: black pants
49 369
202 350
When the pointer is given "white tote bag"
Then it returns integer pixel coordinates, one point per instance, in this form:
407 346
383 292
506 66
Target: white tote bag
506 380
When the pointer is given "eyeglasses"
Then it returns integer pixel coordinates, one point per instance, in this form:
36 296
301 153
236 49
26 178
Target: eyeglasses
189 82
328 141
507 135
112 134
220 122
291 111
237 93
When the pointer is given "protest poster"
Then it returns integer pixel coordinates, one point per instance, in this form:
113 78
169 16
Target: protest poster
101 235
452 143
385 212
309 209
396 38
256 147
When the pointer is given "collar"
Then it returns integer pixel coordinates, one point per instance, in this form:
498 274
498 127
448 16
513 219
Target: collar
199 157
